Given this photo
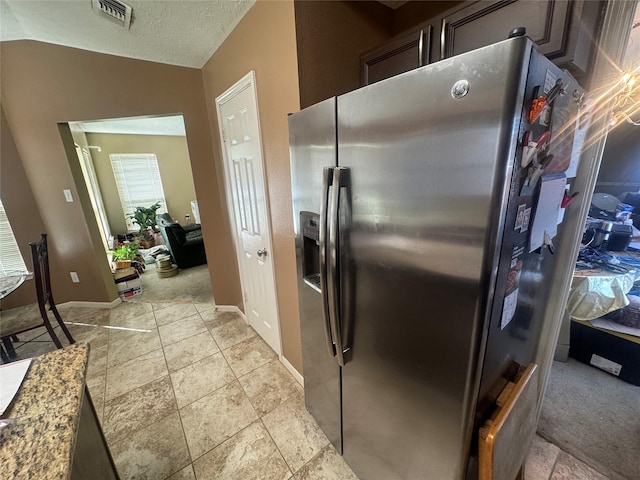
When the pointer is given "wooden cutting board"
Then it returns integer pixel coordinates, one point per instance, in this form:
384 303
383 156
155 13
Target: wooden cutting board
506 437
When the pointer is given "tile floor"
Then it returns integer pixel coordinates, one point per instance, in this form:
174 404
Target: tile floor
187 392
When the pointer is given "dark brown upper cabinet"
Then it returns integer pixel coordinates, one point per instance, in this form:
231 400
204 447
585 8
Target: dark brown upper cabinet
400 55
565 31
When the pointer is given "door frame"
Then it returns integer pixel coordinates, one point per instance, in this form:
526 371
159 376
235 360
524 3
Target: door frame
247 82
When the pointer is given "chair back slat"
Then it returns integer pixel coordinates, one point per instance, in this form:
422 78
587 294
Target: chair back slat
40 257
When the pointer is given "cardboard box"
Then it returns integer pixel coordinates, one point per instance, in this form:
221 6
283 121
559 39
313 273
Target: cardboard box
129 293
123 273
615 353
127 282
128 285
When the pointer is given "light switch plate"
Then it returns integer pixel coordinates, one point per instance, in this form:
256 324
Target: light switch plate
67 195
74 277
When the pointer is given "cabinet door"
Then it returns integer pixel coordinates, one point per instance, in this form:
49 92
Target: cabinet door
487 22
397 56
564 30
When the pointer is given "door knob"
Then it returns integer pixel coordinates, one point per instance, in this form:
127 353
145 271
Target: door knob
262 252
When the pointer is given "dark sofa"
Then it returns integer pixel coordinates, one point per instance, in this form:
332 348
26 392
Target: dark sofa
184 243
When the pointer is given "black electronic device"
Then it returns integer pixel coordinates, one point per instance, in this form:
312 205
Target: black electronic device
619 238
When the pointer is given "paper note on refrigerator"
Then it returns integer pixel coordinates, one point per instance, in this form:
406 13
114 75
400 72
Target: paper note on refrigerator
546 216
580 134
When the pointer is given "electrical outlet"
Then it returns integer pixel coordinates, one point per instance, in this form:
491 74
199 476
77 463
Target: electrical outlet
74 277
67 195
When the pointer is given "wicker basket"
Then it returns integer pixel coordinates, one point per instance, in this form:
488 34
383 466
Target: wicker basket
122 264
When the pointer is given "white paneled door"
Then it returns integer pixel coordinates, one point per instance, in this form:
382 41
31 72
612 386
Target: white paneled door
244 173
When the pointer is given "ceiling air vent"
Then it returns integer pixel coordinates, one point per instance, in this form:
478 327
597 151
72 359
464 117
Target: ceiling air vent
113 10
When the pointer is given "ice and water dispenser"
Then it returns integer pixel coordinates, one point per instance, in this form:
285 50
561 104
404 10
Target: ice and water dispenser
310 225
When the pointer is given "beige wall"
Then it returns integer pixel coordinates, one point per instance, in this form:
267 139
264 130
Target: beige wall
173 161
45 84
264 41
21 209
330 38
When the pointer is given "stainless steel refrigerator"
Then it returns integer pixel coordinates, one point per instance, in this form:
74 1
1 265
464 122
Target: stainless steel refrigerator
413 219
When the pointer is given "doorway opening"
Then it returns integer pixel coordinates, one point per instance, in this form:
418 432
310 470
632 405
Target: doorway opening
587 411
135 169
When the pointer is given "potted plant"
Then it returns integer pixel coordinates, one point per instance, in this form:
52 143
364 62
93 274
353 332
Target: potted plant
145 218
145 238
124 254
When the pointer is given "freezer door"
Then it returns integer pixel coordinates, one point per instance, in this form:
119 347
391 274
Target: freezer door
312 144
430 153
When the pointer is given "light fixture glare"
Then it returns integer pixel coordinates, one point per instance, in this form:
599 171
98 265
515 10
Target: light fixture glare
626 98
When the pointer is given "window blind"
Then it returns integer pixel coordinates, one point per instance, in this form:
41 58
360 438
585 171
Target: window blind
139 183
10 257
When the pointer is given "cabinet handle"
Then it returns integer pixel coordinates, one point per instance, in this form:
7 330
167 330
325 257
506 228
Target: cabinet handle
421 48
443 39
426 45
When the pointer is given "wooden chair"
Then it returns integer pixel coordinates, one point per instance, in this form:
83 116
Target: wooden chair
40 257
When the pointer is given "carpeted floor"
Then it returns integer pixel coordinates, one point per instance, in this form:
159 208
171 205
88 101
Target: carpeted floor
191 285
595 417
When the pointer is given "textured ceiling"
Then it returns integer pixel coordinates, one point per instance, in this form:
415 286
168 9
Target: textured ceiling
177 32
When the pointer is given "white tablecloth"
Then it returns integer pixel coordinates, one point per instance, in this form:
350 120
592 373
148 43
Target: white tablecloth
595 293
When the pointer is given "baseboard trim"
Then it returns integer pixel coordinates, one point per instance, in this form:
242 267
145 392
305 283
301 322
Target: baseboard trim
299 378
231 308
75 303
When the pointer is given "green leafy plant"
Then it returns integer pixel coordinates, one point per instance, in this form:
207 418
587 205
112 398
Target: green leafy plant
127 251
145 217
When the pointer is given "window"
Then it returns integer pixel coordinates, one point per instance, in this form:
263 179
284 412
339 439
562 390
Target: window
10 257
139 184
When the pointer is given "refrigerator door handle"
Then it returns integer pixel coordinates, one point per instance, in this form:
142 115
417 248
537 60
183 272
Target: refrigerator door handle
340 181
327 180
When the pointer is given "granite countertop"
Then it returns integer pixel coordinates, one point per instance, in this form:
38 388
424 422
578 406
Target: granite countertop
41 442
